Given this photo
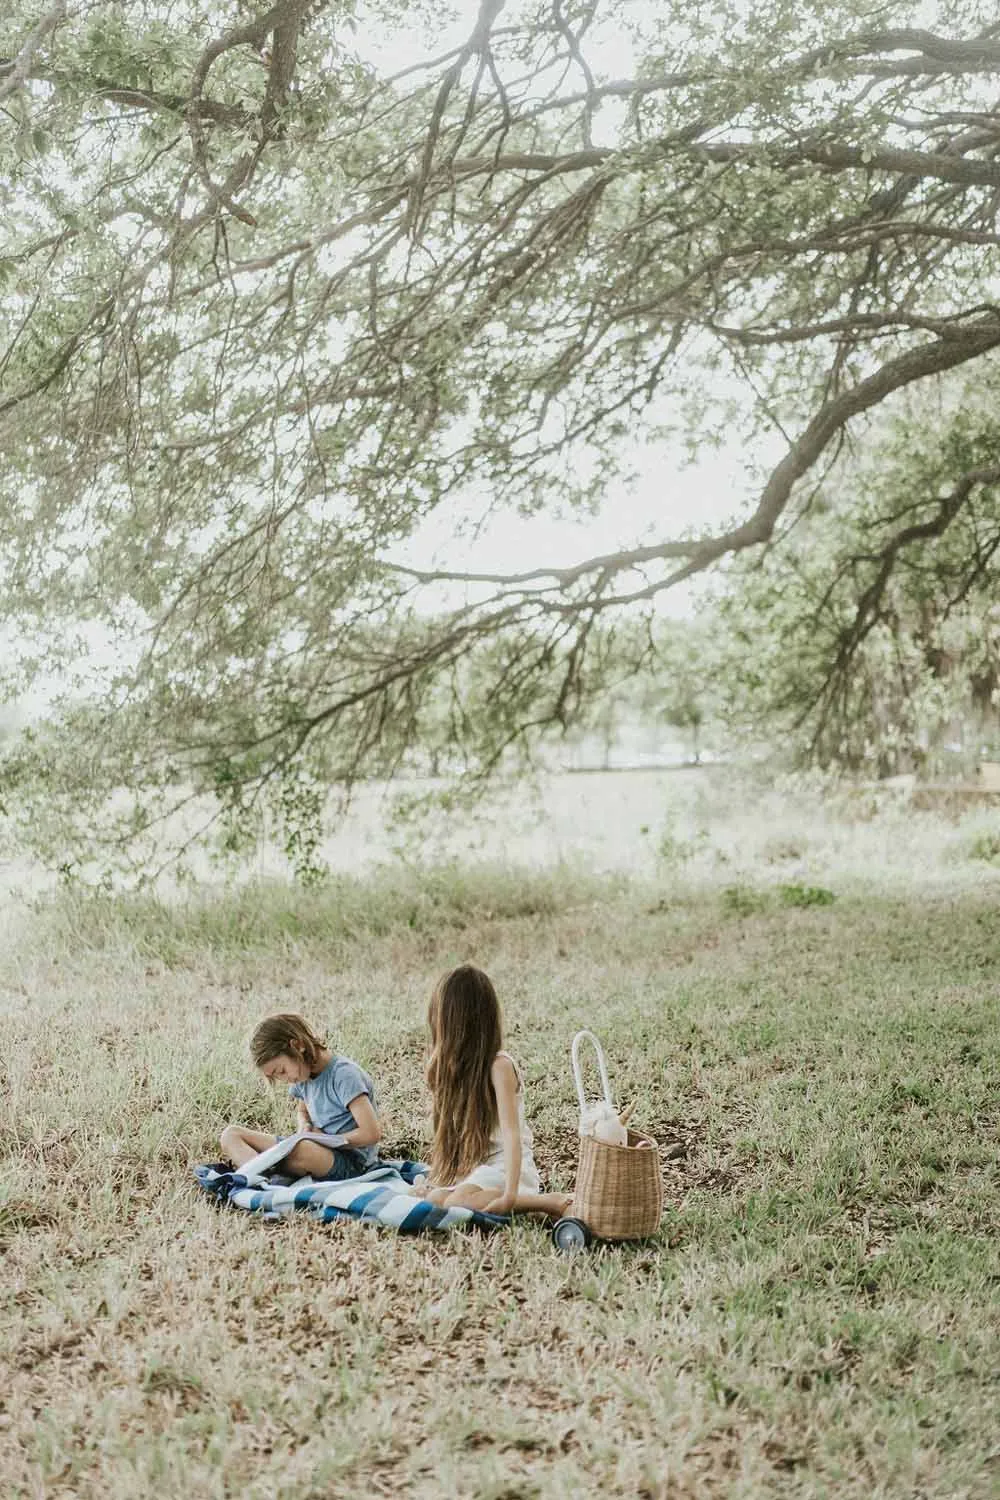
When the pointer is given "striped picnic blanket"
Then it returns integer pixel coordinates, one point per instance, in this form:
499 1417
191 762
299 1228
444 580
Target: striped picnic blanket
379 1196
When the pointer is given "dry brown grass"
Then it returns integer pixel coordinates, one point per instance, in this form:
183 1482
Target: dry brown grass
819 1317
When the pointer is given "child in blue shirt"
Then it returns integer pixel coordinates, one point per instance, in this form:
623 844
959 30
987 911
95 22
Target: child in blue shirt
334 1097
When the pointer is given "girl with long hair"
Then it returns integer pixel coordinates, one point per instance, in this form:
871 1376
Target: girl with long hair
482 1155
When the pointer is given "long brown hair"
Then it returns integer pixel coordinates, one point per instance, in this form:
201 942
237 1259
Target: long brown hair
285 1033
465 1024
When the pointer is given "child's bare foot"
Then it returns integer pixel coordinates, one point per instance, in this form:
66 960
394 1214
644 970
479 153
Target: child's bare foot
551 1205
561 1206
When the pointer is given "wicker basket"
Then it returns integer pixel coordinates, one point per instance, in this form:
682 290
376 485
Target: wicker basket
619 1189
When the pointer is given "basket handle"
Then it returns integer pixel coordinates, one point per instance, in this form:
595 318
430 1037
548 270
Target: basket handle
601 1063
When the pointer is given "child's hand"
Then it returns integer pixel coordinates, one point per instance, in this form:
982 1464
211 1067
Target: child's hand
501 1205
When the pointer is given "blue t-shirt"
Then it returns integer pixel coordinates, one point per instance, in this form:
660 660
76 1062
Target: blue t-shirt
327 1096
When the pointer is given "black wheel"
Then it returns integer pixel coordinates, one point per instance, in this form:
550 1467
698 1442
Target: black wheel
570 1235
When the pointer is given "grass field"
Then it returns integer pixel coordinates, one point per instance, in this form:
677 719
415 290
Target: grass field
820 1317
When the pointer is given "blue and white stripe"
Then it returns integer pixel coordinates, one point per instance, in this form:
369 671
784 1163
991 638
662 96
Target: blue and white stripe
379 1196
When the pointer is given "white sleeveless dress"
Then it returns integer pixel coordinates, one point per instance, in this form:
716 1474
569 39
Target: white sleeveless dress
490 1173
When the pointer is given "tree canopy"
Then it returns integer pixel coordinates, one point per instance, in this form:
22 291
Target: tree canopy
266 304
872 635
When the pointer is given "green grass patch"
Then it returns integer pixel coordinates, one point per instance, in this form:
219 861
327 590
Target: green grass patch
747 900
272 918
819 1315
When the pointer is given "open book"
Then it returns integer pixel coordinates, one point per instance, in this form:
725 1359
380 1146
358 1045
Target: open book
333 1141
270 1158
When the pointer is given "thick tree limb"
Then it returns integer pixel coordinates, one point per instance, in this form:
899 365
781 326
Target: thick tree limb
919 164
130 97
699 553
283 21
15 73
975 51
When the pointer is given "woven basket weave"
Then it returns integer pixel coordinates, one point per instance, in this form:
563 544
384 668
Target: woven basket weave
619 1189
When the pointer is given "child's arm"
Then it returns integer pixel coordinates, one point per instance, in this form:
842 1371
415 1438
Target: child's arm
302 1120
368 1131
504 1079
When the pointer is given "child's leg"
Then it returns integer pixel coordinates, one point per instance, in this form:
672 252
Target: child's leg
553 1205
241 1144
310 1159
463 1196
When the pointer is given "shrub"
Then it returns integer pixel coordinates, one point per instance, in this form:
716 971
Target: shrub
985 845
743 900
804 895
